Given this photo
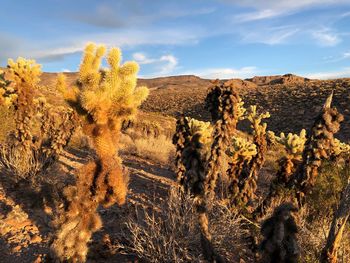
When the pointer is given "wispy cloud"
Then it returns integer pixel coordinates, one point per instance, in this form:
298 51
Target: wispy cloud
256 15
128 14
270 36
54 51
326 37
342 73
269 9
224 73
163 65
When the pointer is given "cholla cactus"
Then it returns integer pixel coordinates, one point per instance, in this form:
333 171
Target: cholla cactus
24 76
340 148
294 146
244 173
319 145
241 152
103 99
193 139
76 230
28 153
280 242
180 139
226 109
7 93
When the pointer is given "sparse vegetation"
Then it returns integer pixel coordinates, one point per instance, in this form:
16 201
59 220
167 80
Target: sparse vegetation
238 184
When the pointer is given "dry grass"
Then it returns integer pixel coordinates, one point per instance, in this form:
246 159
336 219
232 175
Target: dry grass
158 149
170 232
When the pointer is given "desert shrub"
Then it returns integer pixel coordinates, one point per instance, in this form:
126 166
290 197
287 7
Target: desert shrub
159 149
315 216
325 195
170 232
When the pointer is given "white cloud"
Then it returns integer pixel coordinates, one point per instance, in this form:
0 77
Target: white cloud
325 37
346 55
53 51
65 70
164 65
224 73
171 63
270 36
286 5
257 15
342 73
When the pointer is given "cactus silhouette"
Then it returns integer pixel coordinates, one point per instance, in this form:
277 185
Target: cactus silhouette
280 242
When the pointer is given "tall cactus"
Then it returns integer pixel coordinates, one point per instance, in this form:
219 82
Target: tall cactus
226 109
193 140
243 171
103 99
319 146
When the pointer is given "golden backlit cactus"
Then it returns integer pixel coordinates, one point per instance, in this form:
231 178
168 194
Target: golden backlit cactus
29 151
24 71
294 145
104 98
24 76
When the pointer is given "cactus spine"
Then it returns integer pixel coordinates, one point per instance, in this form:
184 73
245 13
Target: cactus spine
103 99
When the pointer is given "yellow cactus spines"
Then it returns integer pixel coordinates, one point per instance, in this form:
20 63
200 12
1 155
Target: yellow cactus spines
24 71
70 94
255 120
293 143
340 148
8 94
104 98
242 149
204 129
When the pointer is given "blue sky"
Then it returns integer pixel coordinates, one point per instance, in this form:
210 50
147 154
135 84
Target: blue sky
211 39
